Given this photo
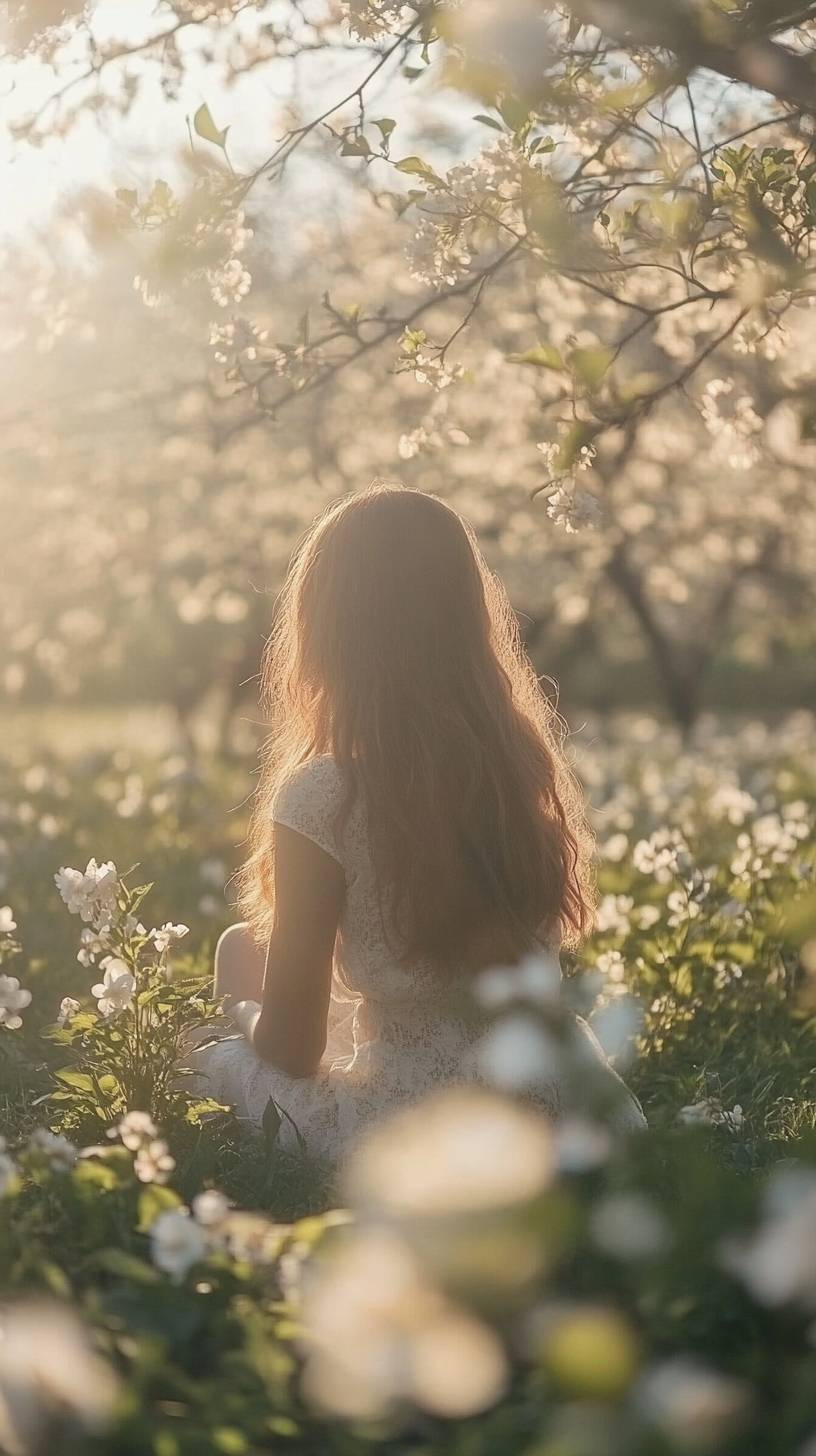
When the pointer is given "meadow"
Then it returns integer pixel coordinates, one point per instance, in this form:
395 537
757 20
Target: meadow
478 1281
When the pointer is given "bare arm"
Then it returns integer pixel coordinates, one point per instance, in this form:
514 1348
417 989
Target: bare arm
289 1028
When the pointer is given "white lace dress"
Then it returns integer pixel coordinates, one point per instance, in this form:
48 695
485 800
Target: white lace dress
396 1030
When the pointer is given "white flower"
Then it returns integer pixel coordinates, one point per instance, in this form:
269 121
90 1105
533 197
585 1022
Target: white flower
536 980
91 894
56 1150
629 1226
459 1150
517 1054
167 936
379 1333
92 943
573 509
50 1379
13 1000
153 1162
176 1242
114 992
8 1172
778 1264
7 922
581 1145
135 1129
695 1406
67 1011
613 913
210 1208
611 965
711 1113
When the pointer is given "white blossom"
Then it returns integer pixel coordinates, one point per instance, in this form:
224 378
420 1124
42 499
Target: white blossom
67 1010
7 922
695 1406
210 1208
90 894
114 992
153 1162
135 1130
167 935
176 1242
13 999
50 1379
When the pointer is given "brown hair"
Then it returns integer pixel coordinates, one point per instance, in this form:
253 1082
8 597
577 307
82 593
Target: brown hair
396 651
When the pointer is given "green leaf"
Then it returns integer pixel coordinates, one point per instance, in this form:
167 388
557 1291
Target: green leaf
579 434
545 356
80 1081
489 121
590 365
271 1122
154 1200
125 1266
385 125
355 146
415 167
206 127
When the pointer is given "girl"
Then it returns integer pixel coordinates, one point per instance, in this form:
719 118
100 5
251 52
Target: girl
415 823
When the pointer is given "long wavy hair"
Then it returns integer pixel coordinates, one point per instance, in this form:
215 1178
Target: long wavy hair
396 651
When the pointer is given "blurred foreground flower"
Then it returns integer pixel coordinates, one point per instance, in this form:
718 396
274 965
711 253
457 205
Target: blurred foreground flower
379 1335
460 1151
53 1385
694 1406
176 1242
778 1263
13 999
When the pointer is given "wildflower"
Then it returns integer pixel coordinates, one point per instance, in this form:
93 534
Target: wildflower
710 1113
167 935
51 1379
7 922
379 1333
613 913
518 1054
210 1208
13 999
8 1170
461 1150
581 1145
629 1226
778 1264
537 980
54 1149
92 894
692 1404
67 1010
135 1129
92 943
176 1242
153 1162
114 992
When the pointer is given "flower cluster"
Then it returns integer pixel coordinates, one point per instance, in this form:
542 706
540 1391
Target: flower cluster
734 423
14 998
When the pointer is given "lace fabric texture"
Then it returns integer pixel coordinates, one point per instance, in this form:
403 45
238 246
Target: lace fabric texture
396 1030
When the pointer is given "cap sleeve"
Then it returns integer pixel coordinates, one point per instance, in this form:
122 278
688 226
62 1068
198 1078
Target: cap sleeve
309 802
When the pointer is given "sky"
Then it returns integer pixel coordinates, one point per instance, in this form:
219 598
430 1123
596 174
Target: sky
131 151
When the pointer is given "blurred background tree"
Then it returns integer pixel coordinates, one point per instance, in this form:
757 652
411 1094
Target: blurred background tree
550 261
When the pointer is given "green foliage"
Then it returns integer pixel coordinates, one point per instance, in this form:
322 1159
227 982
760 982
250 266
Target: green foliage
593 1287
